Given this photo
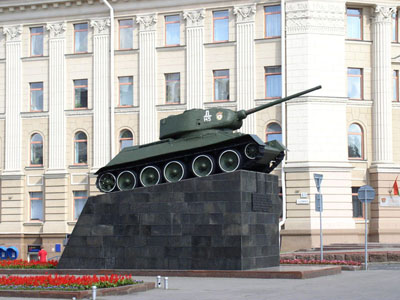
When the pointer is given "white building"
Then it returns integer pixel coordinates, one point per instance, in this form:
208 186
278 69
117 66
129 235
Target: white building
64 112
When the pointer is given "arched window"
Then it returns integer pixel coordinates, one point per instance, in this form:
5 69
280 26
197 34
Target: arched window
274 132
36 150
355 141
80 142
125 139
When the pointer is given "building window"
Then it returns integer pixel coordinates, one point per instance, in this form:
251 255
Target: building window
172 30
354 24
126 91
80 142
274 132
125 139
173 88
355 83
81 37
36 199
396 85
80 198
36 150
125 34
221 85
273 82
272 16
37 41
36 91
355 142
81 93
221 25
357 205
395 27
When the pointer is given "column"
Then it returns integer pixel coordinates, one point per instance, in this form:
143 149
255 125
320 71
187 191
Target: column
101 92
245 62
147 78
57 96
382 84
194 58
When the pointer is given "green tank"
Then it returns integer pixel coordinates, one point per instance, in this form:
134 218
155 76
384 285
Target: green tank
196 143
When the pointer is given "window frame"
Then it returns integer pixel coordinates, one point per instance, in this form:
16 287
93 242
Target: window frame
75 144
396 26
214 84
361 76
30 148
74 203
87 96
220 18
119 33
361 23
124 139
355 194
166 29
36 34
265 79
31 198
396 85
30 95
119 90
272 132
362 141
166 87
81 30
265 21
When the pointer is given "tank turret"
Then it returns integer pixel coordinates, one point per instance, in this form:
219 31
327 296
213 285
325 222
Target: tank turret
195 143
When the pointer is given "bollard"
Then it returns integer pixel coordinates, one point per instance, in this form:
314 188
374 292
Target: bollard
158 281
166 283
94 288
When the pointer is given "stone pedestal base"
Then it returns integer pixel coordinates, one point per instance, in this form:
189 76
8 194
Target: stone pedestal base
221 222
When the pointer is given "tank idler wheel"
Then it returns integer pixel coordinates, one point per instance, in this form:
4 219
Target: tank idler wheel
149 176
126 181
203 165
107 182
229 160
251 150
174 171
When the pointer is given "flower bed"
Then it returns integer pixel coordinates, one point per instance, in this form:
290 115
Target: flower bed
319 262
23 264
64 282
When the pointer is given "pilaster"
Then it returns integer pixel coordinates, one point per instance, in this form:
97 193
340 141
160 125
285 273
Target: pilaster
13 99
194 58
245 62
147 78
101 92
57 95
382 84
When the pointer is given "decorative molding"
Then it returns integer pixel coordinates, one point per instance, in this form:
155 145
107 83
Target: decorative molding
147 22
13 33
245 13
383 13
57 29
194 18
35 180
101 26
79 178
315 17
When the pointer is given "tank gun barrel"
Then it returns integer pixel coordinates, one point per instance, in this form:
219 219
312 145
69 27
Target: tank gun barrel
256 109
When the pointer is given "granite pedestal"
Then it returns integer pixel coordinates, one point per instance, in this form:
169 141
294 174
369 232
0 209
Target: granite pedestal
221 222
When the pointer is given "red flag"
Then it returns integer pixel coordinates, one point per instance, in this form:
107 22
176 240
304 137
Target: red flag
395 188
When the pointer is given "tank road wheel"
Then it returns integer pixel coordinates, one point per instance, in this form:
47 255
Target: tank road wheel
149 176
203 165
251 150
174 171
107 182
126 181
229 160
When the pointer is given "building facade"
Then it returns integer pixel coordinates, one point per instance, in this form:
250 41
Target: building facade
79 81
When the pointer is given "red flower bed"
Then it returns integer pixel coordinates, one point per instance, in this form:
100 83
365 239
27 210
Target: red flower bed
319 262
23 264
63 282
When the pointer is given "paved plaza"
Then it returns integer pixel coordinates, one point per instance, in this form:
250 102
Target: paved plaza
380 282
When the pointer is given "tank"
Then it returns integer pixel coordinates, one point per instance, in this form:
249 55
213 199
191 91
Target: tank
195 143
